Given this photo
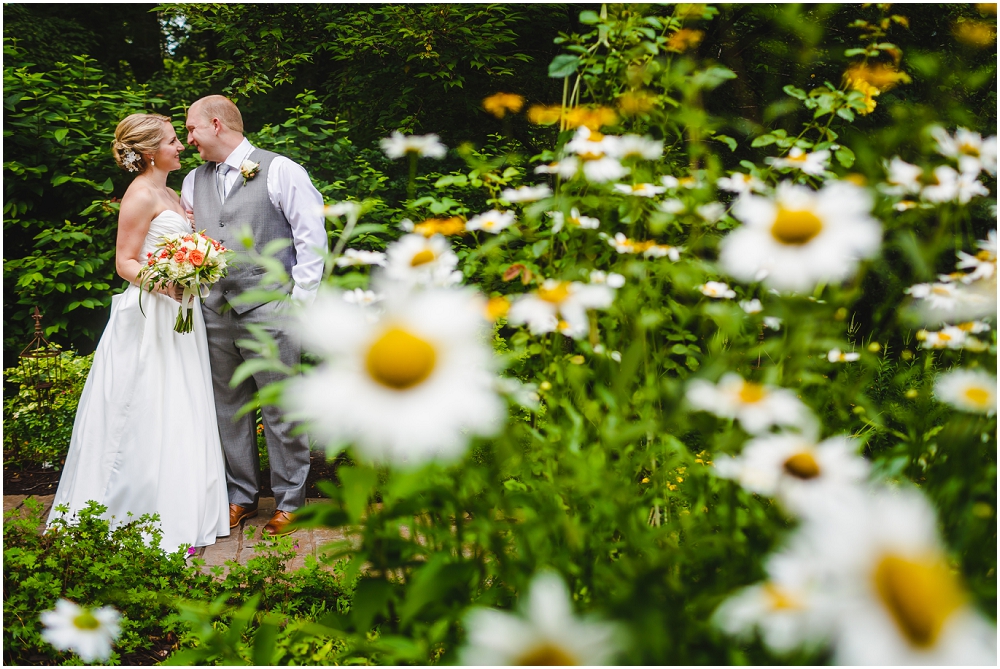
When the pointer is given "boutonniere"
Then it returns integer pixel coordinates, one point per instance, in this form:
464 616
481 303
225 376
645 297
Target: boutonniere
249 170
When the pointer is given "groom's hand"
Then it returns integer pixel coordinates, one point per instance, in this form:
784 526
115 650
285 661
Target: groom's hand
190 215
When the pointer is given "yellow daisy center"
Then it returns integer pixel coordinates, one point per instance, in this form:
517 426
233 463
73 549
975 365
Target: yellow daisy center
795 227
977 396
802 465
920 596
86 621
969 149
779 599
546 655
751 392
555 294
400 360
943 336
422 258
941 290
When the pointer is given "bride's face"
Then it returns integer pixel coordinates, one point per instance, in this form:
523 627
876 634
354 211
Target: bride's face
168 156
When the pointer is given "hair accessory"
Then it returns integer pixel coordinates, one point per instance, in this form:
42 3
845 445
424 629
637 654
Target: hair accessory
130 160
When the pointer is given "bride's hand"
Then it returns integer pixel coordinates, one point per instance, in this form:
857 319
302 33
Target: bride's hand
171 290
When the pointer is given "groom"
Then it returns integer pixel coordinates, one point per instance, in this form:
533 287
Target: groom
278 201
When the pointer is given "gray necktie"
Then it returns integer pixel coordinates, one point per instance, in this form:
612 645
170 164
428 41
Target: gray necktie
223 170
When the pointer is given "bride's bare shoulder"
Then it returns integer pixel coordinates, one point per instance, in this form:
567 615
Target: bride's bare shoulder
138 205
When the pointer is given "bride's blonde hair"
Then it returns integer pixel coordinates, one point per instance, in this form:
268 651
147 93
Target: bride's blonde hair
135 136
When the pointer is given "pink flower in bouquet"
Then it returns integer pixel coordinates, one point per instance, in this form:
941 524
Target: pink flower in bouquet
180 256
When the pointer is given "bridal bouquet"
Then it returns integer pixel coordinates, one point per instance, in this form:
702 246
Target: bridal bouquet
193 261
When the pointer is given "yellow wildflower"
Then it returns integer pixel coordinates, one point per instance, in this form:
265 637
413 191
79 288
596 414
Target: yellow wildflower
881 76
594 119
634 103
544 114
975 33
454 225
499 104
497 307
684 39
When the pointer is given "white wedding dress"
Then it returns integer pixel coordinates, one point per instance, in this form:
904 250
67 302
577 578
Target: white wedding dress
145 439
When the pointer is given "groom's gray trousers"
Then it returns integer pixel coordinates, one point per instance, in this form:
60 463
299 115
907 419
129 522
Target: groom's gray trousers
227 320
288 453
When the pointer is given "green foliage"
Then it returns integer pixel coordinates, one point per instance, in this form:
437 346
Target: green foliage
37 433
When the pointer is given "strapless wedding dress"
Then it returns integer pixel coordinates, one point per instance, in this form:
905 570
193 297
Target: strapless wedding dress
145 439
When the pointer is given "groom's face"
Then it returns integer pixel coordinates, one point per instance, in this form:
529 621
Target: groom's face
202 134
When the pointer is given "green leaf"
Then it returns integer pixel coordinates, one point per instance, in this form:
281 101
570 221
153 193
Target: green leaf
727 140
370 599
763 140
588 17
563 65
796 93
844 156
845 114
60 134
357 484
107 186
850 53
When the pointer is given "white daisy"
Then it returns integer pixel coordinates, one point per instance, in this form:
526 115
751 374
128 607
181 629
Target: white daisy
492 221
575 220
640 190
590 145
347 208
88 633
637 146
756 406
950 302
399 145
952 186
560 306
836 355
422 260
565 168
948 337
902 177
526 193
717 290
751 306
546 632
795 469
814 163
648 248
403 388
968 390
772 322
603 170
354 258
362 297
984 263
740 183
672 183
610 278
786 609
801 237
712 212
892 596
973 153
672 206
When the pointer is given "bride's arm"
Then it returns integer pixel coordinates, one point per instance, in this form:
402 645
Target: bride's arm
134 216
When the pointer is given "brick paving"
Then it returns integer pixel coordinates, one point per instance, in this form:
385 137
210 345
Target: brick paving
237 546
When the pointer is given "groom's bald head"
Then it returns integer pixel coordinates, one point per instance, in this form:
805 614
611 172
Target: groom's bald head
221 108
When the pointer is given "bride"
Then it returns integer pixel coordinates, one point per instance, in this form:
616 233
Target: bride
145 439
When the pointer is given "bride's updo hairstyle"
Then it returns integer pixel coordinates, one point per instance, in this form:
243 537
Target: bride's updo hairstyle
136 136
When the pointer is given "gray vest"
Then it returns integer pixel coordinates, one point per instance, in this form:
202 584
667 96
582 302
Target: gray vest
245 206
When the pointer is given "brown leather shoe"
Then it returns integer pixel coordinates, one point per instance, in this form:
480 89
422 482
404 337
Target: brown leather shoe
237 513
278 524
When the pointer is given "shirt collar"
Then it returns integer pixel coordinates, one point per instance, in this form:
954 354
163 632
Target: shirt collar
239 154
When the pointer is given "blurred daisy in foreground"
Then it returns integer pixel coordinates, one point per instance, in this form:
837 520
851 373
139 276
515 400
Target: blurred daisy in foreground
973 153
672 206
410 385
362 297
574 220
794 469
640 189
801 237
565 168
984 263
786 609
968 390
814 163
954 336
546 632
712 212
421 260
88 633
894 597
597 152
526 193
950 186
836 355
751 306
560 306
637 146
610 278
398 145
355 258
717 290
492 221
757 407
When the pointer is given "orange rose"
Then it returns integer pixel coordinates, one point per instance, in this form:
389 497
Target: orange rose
196 257
179 256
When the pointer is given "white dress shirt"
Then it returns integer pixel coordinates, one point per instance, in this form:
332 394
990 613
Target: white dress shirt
293 194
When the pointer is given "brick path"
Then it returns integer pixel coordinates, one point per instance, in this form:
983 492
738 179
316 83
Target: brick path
236 546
